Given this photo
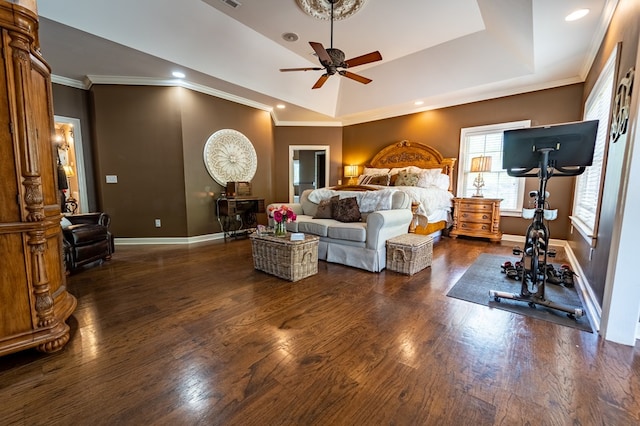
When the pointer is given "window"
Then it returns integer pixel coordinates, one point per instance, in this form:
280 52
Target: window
487 141
586 205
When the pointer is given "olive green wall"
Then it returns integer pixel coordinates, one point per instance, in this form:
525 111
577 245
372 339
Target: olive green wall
441 129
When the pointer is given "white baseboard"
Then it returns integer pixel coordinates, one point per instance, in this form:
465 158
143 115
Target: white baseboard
168 240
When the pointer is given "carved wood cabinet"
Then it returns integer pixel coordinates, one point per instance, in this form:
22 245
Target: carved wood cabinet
34 302
477 217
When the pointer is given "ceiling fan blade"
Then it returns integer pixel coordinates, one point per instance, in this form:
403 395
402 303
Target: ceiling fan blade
321 52
356 77
364 59
301 69
320 81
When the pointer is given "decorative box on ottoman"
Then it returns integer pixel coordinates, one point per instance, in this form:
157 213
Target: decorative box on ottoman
409 253
279 256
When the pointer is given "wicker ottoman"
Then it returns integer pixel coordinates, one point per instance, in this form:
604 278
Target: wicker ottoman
279 256
409 253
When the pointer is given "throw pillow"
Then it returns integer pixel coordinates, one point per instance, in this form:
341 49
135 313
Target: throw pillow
347 210
325 210
375 180
407 179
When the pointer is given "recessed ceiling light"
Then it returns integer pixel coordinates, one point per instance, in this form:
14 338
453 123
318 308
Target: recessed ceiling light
291 37
178 74
577 14
280 106
418 103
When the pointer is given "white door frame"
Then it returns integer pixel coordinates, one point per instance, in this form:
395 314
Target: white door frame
293 148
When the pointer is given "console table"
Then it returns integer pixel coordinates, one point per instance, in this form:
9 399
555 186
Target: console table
237 215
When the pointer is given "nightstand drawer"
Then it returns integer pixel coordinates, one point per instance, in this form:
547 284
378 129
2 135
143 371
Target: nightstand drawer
470 226
476 217
476 207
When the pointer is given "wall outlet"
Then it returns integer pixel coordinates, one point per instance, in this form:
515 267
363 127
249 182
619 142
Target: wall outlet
158 223
111 179
339 181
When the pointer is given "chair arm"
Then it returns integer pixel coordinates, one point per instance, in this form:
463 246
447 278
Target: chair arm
84 218
385 224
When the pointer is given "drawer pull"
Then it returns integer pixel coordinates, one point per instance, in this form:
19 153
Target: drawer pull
484 216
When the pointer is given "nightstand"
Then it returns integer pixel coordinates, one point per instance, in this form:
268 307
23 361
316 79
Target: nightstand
477 217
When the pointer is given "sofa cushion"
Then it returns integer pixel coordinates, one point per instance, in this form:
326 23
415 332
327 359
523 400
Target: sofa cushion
317 227
347 210
348 231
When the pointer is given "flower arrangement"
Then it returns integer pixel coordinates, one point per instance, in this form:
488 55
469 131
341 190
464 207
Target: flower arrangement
282 214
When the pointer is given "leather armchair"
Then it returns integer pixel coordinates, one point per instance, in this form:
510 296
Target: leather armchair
87 239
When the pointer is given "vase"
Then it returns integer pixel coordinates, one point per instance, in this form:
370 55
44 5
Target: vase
281 229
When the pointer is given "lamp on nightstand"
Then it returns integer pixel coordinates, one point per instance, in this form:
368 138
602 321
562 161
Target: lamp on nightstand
480 165
350 172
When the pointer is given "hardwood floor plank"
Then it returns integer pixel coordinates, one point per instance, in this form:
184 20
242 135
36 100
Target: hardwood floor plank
194 335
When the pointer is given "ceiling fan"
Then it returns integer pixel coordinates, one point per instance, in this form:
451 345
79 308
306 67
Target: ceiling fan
333 59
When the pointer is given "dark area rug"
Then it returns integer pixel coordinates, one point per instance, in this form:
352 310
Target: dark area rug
485 274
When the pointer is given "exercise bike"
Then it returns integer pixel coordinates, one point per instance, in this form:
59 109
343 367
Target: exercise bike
560 150
534 267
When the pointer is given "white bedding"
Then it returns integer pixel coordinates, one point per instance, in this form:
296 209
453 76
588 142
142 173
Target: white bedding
432 199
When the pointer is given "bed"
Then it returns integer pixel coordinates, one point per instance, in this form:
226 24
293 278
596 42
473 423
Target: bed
431 194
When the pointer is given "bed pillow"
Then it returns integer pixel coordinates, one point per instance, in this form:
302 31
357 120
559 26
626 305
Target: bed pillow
325 208
407 179
374 171
375 180
347 210
433 177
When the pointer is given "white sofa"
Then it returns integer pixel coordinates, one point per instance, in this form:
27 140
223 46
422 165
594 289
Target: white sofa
358 244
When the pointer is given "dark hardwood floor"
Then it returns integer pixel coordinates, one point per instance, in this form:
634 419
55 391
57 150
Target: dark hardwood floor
194 335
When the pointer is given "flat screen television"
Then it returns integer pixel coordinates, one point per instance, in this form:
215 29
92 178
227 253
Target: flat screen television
569 145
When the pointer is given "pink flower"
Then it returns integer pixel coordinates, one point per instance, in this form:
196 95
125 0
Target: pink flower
283 214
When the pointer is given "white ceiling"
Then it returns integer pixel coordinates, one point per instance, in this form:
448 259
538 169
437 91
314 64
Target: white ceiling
440 52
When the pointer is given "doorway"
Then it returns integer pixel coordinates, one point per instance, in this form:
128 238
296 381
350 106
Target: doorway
68 138
308 168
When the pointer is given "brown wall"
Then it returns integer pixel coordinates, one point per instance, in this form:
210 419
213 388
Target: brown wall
286 136
74 103
441 129
203 115
138 138
624 28
153 139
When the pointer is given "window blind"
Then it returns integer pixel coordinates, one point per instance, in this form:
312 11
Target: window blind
588 184
487 141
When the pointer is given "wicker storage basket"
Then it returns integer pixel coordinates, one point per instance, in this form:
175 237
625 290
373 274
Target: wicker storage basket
279 256
409 253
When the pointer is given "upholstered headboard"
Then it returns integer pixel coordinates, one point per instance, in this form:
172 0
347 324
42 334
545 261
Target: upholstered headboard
405 153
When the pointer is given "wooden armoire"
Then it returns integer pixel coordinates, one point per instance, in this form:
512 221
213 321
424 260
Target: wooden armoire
34 302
